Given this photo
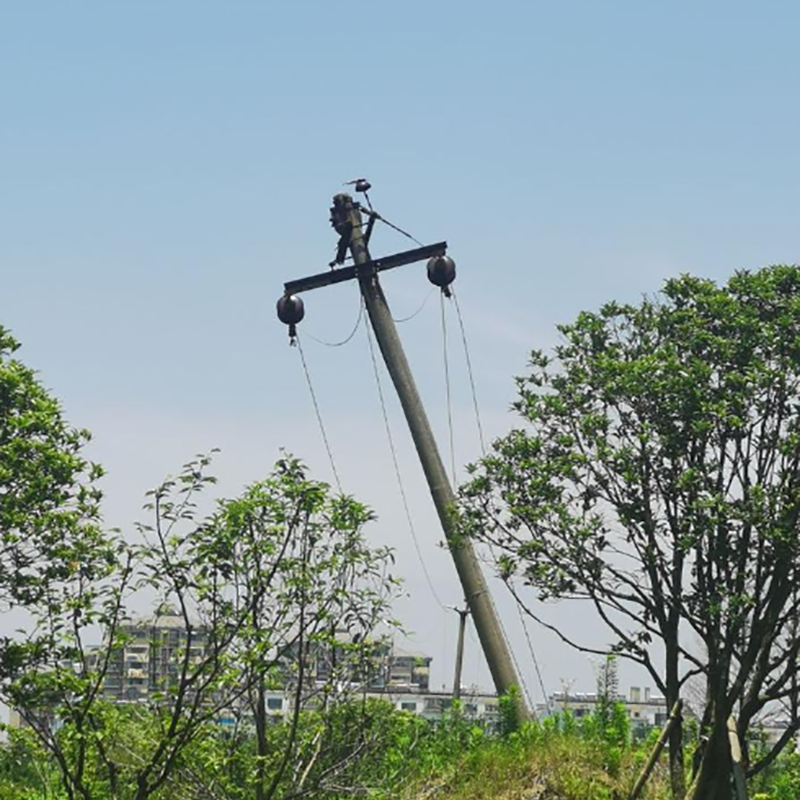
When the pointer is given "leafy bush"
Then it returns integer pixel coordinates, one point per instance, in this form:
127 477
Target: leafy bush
780 781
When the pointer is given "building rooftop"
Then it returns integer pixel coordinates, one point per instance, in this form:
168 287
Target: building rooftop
162 618
398 651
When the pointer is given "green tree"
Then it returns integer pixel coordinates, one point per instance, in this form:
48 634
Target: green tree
58 568
658 480
607 690
49 501
284 570
262 585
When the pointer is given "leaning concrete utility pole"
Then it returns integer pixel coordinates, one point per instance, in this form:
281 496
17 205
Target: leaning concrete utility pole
346 218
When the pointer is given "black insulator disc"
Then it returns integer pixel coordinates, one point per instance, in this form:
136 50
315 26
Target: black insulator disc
441 270
290 309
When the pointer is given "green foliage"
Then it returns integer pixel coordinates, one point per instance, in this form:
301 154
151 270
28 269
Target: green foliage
48 498
655 477
270 580
508 709
367 748
26 771
607 690
780 781
609 727
559 757
57 564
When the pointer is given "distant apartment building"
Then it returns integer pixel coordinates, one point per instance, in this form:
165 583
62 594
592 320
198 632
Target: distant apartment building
432 705
149 660
150 656
402 669
644 709
382 665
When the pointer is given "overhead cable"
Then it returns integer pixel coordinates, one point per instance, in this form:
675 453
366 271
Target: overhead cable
319 415
470 373
396 465
350 336
545 697
448 394
419 309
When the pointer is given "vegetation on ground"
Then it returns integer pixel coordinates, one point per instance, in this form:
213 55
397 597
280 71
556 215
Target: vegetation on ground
259 585
375 751
371 750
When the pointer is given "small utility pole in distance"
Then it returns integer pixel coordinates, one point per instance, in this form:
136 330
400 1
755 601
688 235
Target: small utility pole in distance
463 613
346 218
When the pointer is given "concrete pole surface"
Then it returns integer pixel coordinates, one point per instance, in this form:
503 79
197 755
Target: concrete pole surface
476 591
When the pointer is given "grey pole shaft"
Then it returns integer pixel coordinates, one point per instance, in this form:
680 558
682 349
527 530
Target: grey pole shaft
462 624
476 592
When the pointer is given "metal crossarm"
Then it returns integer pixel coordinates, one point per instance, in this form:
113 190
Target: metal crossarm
374 265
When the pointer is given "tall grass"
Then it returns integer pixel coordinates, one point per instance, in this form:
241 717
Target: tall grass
559 758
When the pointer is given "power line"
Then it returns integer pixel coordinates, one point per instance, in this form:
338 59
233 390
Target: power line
470 373
350 336
396 465
479 424
448 394
319 415
524 622
530 649
399 230
421 306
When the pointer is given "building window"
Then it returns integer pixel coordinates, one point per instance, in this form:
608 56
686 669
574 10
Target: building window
275 703
408 706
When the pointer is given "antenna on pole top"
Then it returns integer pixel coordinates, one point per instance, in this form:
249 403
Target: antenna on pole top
361 186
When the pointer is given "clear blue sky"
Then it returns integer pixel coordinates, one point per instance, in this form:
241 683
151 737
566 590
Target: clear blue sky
165 166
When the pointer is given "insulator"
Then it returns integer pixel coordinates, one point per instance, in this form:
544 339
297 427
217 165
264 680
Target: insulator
442 272
290 309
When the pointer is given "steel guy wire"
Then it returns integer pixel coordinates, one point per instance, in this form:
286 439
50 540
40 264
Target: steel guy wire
350 336
506 637
470 372
396 465
545 698
319 415
399 230
479 424
448 394
524 686
421 306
